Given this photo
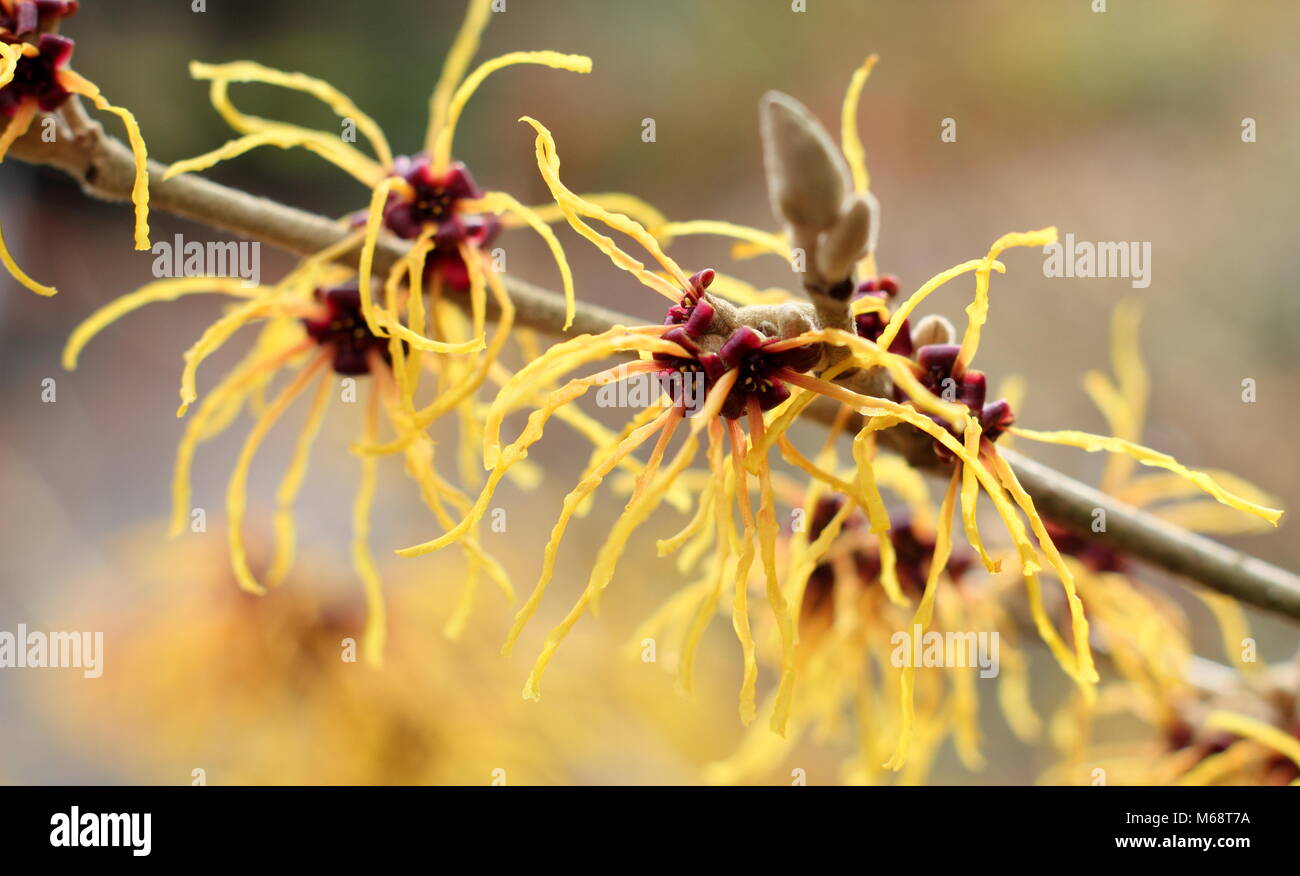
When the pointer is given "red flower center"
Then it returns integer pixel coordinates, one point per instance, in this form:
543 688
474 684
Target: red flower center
744 349
871 325
343 328
433 201
36 77
913 552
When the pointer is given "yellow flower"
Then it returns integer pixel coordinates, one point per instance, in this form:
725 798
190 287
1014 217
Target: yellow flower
1144 634
322 318
1221 734
423 197
313 326
753 361
836 564
35 78
848 646
204 677
746 375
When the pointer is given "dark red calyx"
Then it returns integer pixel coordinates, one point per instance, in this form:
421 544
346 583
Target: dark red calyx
681 376
886 283
938 362
432 198
690 319
693 312
746 350
818 595
342 327
996 417
825 509
29 16
871 325
700 281
36 78
1179 733
914 552
1091 553
432 202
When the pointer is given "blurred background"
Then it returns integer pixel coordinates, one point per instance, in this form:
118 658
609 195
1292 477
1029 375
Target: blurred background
1124 125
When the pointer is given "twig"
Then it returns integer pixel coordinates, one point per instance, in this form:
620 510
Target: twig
1136 533
103 165
104 168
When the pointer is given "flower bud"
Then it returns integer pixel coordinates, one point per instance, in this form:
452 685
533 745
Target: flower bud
806 176
845 242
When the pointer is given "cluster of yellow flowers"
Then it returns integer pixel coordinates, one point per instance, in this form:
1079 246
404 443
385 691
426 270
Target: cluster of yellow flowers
838 587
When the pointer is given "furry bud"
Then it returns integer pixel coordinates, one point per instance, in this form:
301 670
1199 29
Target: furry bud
933 329
806 176
846 242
